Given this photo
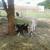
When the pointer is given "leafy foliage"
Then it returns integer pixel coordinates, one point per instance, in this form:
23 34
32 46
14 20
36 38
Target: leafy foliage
45 3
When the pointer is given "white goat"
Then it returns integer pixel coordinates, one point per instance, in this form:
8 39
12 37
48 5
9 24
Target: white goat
33 25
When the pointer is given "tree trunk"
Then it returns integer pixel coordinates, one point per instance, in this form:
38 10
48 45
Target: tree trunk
11 17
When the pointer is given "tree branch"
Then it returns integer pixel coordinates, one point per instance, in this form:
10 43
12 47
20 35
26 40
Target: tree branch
5 6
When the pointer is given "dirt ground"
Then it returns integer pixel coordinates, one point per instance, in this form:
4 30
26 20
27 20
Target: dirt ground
40 40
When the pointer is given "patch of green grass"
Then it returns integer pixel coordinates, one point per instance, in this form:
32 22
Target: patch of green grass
38 14
2 13
43 25
33 14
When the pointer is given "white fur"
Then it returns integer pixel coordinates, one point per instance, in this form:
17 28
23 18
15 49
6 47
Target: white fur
33 25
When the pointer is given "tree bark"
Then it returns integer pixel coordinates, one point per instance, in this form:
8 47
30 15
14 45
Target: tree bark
11 17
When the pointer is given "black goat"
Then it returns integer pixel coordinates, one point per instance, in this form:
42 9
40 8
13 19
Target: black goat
19 28
22 28
25 28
